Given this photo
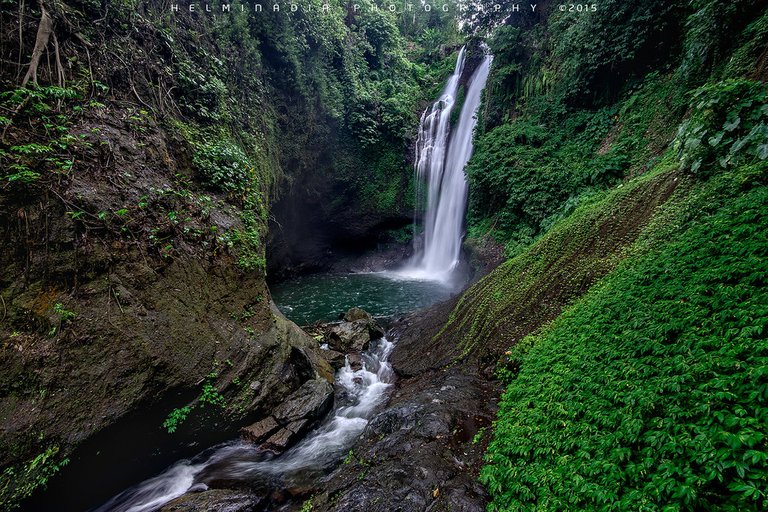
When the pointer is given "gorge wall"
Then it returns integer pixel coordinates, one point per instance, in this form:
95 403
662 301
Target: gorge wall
142 153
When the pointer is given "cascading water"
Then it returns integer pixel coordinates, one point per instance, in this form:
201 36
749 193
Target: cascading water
441 155
359 393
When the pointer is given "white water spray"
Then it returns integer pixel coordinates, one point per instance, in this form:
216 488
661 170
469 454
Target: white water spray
441 155
361 392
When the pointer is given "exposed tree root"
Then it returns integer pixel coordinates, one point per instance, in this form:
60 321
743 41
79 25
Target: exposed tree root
44 31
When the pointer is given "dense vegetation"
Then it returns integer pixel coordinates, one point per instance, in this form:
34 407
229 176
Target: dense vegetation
576 103
134 135
649 393
652 389
259 102
624 148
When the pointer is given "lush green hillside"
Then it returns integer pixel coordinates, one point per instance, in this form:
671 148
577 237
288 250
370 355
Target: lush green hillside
653 389
649 390
577 102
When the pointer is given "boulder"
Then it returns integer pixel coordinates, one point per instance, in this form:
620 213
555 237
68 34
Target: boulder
334 358
355 335
287 436
221 500
355 361
260 430
356 314
312 400
279 441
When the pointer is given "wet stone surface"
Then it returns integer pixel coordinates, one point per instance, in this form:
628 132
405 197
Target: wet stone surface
423 452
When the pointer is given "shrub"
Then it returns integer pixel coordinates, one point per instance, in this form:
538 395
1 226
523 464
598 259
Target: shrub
728 126
223 164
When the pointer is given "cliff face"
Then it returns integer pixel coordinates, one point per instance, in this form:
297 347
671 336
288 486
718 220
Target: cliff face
132 224
142 153
122 289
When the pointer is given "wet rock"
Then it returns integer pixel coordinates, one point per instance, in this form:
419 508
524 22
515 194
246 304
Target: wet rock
220 500
285 437
279 441
356 314
355 335
355 361
392 420
298 427
260 430
291 418
434 425
348 336
313 399
334 358
433 419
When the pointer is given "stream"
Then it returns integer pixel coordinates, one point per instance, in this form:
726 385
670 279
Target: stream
358 394
430 276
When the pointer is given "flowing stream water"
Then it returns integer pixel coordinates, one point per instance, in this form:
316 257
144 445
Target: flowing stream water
358 394
441 155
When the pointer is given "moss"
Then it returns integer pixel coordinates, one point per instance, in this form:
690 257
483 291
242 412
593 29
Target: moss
532 288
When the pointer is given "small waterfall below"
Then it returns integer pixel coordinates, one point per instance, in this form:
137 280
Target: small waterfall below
358 394
441 155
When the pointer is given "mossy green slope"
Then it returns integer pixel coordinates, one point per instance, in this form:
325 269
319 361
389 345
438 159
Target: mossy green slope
532 288
648 392
652 391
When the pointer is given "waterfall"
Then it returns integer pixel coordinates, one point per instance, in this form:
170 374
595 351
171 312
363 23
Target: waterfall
441 155
359 394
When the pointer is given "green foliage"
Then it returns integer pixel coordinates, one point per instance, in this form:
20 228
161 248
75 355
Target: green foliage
402 235
527 174
223 164
456 112
752 41
709 35
203 96
646 394
50 109
20 481
176 418
511 178
597 52
20 173
249 238
728 126
533 286
650 393
64 314
209 395
608 112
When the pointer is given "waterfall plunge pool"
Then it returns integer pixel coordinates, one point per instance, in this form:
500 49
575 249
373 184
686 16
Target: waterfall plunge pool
323 297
